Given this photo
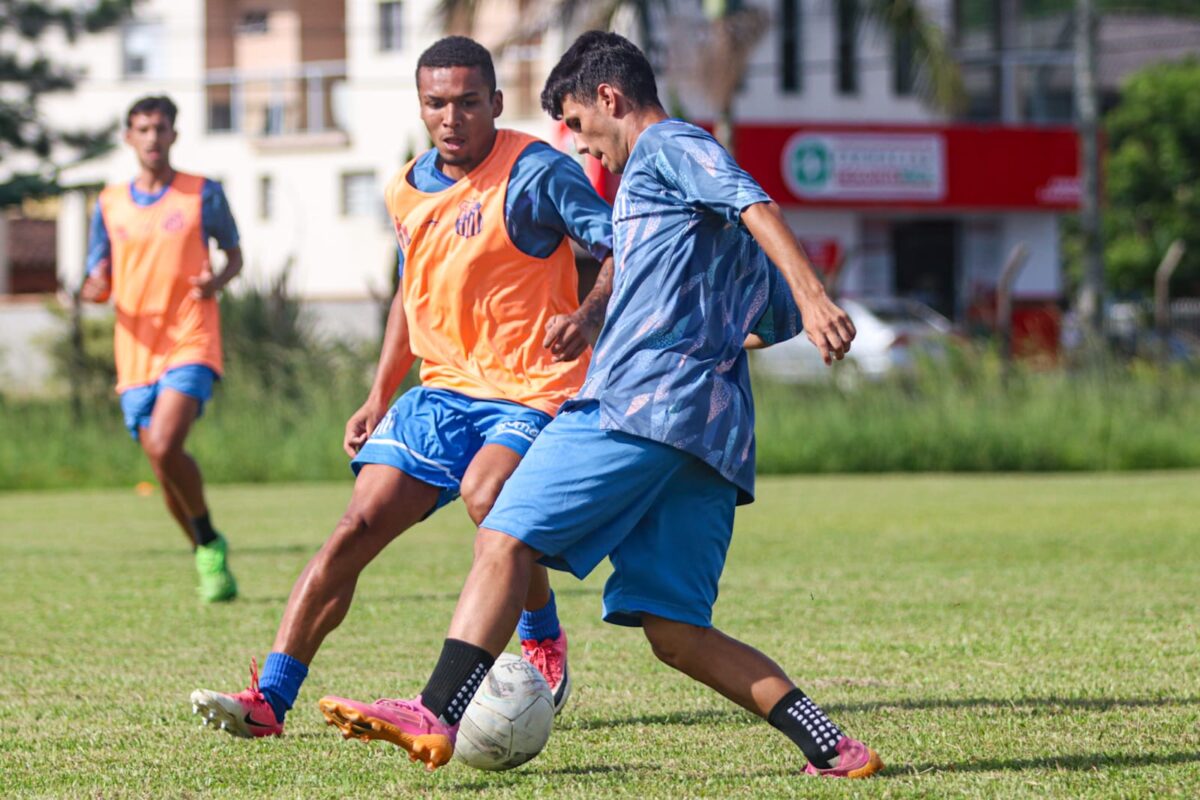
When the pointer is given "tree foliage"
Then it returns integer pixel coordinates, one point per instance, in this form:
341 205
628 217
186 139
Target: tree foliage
27 73
1153 176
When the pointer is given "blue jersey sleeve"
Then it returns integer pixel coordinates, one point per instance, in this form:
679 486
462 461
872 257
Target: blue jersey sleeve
780 318
216 218
99 245
549 197
704 173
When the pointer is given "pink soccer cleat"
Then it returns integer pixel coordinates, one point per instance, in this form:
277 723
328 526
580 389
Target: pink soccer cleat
550 658
246 714
404 723
855 760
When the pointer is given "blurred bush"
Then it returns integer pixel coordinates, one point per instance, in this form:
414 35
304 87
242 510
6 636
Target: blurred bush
280 412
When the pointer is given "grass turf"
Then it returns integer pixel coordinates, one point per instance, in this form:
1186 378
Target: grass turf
990 636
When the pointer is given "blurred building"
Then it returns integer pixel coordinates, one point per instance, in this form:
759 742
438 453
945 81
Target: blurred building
303 110
895 197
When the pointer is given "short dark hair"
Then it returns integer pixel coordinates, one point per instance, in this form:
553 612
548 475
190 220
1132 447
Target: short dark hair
148 105
599 57
459 51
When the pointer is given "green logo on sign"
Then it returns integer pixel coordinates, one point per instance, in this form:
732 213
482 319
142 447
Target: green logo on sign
811 164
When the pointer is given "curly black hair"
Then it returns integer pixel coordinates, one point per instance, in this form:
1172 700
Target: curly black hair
459 51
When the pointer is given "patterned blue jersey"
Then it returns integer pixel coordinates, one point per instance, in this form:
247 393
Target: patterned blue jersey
689 284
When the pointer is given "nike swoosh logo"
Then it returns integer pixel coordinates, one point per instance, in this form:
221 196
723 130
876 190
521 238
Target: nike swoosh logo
249 720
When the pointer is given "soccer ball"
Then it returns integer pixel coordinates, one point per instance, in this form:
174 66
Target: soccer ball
509 720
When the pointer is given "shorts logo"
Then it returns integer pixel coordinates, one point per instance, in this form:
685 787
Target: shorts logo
174 222
470 219
518 427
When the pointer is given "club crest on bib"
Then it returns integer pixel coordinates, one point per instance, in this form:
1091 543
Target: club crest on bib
402 234
470 218
174 222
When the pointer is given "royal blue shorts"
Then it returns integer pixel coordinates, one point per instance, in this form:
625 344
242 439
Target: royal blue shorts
433 434
663 517
194 380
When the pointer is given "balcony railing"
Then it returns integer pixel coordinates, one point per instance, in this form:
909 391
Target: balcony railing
277 104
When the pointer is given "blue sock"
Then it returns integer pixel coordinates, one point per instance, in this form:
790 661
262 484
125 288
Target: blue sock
541 624
280 682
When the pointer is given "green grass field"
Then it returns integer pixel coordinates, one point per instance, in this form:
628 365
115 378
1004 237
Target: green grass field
990 636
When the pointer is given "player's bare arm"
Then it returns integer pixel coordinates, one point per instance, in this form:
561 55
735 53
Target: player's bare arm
828 327
97 288
568 335
208 284
395 360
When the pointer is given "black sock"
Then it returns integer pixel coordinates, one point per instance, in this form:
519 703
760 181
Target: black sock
205 534
803 721
459 672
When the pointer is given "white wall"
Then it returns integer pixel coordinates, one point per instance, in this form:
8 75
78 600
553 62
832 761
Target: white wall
762 99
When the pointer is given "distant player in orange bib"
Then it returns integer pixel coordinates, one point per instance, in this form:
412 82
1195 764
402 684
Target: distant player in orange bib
148 249
488 299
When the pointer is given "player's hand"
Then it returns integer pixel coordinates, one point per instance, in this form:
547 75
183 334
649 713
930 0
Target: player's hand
360 425
205 285
97 288
567 336
829 328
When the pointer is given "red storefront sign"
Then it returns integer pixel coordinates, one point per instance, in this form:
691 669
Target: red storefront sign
892 166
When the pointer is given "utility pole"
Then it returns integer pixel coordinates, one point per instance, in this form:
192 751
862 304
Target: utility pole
1087 113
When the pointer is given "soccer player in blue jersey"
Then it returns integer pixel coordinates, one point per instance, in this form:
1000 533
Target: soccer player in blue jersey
647 463
488 300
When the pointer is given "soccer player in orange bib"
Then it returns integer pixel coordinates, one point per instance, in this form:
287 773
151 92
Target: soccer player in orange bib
488 301
148 249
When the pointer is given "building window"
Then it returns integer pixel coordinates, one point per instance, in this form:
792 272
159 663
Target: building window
791 46
390 27
141 50
266 197
904 68
847 46
359 198
254 22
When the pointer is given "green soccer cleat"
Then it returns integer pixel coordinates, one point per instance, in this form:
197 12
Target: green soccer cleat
216 581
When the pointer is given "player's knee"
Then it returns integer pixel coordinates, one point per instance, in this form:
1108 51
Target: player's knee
479 495
158 449
673 643
496 546
340 549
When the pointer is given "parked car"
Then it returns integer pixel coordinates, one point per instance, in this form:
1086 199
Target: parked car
891 332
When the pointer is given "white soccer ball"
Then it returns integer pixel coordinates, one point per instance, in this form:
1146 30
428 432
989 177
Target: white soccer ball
509 720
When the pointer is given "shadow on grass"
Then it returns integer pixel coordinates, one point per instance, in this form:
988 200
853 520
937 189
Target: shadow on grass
1079 762
1050 701
583 770
706 717
727 716
236 550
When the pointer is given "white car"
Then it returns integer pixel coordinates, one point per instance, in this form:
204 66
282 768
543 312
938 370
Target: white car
891 331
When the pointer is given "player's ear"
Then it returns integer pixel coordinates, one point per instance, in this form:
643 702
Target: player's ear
607 98
497 103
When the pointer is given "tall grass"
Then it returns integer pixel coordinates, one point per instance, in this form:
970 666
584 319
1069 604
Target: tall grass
963 415
280 413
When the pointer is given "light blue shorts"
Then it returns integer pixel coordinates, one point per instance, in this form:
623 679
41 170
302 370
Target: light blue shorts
663 517
433 434
194 380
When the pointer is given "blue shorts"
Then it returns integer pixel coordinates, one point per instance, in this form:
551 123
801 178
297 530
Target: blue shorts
194 380
663 517
433 434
